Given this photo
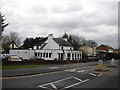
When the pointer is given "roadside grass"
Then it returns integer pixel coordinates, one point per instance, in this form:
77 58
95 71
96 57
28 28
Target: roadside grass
22 66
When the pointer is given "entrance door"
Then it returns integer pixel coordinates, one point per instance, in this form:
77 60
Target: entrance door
61 56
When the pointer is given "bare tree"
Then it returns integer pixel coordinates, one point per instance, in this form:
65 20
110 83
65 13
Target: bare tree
90 43
79 39
12 37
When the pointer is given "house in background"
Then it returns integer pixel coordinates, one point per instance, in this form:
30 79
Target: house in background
50 48
13 45
87 50
103 50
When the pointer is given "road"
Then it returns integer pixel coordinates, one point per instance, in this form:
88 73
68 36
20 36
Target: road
80 77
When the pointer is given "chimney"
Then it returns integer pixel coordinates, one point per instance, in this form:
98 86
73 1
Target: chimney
50 36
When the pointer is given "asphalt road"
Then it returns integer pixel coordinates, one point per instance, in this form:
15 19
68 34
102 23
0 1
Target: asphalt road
80 77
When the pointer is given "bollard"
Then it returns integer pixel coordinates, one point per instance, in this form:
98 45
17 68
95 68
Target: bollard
100 67
100 64
112 62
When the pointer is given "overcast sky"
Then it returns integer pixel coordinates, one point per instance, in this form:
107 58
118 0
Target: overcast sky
35 18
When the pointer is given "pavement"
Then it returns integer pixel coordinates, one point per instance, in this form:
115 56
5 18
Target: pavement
39 70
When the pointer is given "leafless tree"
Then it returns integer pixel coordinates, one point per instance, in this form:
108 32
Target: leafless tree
12 37
90 43
79 39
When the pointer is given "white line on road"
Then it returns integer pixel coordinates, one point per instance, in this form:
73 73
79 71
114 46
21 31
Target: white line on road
99 75
53 67
80 71
54 86
52 83
70 70
92 74
77 79
29 75
55 81
75 84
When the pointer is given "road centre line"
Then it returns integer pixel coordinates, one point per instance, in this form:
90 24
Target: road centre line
75 84
81 71
53 67
29 75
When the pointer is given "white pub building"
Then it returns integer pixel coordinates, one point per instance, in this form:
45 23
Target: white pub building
50 48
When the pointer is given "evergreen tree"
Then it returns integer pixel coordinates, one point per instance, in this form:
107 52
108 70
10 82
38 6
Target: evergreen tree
2 23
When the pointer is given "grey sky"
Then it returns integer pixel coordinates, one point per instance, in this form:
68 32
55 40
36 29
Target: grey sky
33 18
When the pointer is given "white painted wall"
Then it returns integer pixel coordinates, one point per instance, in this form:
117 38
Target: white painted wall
51 44
25 54
66 47
53 55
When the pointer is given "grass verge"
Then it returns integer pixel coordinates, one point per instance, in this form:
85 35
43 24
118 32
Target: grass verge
22 66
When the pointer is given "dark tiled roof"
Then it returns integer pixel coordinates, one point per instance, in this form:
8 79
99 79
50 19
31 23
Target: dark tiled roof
43 45
61 42
107 46
41 41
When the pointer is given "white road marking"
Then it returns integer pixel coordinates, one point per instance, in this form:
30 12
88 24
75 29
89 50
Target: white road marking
75 84
70 70
95 74
55 81
53 67
77 79
80 71
92 74
99 75
53 86
52 83
45 87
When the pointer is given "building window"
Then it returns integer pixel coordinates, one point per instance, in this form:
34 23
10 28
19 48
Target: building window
68 56
40 54
78 55
43 54
50 54
35 53
46 54
58 56
18 52
75 55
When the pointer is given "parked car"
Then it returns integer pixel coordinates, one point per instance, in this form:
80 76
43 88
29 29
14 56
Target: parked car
11 58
